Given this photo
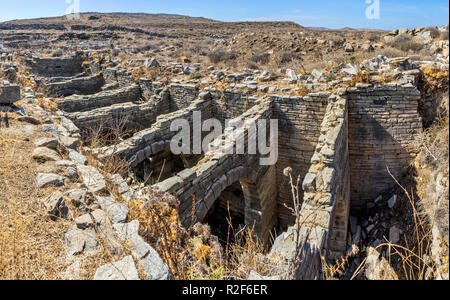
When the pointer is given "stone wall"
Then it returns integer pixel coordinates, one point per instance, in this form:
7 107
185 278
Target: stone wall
129 115
322 228
383 123
218 170
181 96
230 104
156 138
56 66
77 86
299 130
77 103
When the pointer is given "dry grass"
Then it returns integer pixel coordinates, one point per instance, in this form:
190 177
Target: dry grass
332 272
31 245
31 242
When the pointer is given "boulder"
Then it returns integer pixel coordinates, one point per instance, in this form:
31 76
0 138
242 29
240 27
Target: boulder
368 48
256 277
44 154
394 235
56 206
92 178
81 199
80 241
151 62
121 270
9 94
51 143
291 75
378 268
69 142
117 212
426 37
148 258
349 48
45 180
392 202
77 157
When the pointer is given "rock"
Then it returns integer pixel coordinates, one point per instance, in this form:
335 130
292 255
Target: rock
394 32
148 258
291 75
418 30
57 207
28 119
121 186
317 74
394 235
356 240
121 270
9 94
309 183
189 70
69 125
84 222
368 48
392 202
117 212
92 178
69 142
370 228
256 277
78 241
403 31
78 158
50 129
51 143
73 271
43 154
81 199
353 224
426 38
379 198
151 62
349 48
45 180
378 269
350 70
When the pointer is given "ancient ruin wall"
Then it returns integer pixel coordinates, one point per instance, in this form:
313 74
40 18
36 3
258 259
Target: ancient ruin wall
51 67
322 227
79 103
181 96
383 123
129 115
299 120
218 170
230 104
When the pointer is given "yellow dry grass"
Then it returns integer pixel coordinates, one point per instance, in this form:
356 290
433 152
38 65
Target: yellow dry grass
31 245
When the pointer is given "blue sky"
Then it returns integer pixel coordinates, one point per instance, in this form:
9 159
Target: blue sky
319 13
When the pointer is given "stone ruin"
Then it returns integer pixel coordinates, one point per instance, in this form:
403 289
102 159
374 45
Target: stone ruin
340 143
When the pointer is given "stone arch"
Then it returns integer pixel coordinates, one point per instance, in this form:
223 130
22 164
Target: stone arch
259 189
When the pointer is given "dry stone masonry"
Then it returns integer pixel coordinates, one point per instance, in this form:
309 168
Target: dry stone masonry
339 142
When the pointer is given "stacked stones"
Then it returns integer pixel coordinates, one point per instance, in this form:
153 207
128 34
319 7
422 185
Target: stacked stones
383 123
9 93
